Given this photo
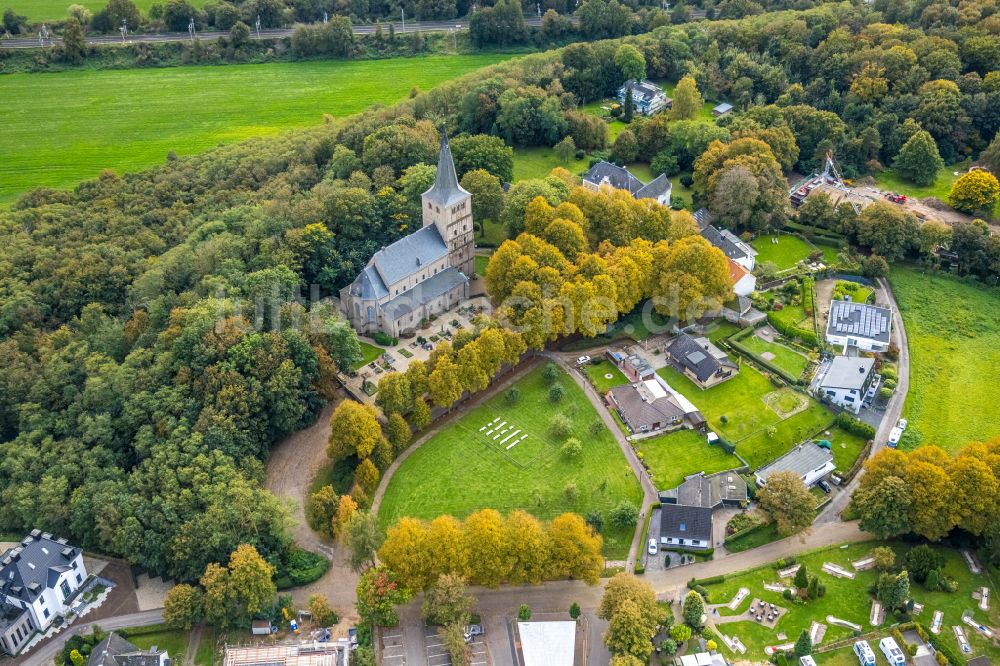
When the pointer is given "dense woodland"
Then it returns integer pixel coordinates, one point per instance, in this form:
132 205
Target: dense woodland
159 331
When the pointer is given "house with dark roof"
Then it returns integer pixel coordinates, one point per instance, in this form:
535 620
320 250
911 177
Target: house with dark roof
727 489
731 245
700 360
685 526
848 381
38 581
810 461
424 273
865 327
620 178
647 97
116 651
645 406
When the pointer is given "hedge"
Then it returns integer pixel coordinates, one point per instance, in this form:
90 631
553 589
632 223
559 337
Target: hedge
711 580
855 426
303 567
792 332
745 531
846 477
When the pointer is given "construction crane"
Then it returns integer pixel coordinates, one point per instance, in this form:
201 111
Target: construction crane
829 176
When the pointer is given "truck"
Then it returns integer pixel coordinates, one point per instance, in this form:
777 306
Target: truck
894 435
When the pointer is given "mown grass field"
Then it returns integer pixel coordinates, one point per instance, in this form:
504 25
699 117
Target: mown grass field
54 10
174 641
786 253
598 374
461 470
786 358
369 353
891 181
736 409
64 127
849 600
675 455
953 330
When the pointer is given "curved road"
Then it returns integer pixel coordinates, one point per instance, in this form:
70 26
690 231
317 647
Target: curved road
369 29
45 654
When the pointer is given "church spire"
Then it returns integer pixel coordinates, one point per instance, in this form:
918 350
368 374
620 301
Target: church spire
446 188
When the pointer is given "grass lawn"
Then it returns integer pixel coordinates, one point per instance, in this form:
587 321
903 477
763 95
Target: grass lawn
537 162
681 194
494 234
369 353
889 180
786 253
481 263
849 600
794 315
597 373
755 539
846 447
786 358
859 293
953 331
128 119
206 649
54 10
461 470
720 328
747 417
174 641
673 456
830 253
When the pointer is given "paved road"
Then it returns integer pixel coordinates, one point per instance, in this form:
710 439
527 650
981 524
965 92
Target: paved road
831 513
46 653
415 26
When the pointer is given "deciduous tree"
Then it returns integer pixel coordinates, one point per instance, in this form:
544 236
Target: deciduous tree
687 100
788 502
974 192
183 606
354 430
918 160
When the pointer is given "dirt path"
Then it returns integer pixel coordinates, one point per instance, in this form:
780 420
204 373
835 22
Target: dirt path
194 639
824 294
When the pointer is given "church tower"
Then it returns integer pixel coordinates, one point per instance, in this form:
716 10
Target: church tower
449 208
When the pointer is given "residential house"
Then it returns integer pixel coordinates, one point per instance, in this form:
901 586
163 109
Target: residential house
731 245
810 461
723 109
645 406
633 366
741 311
606 173
744 282
116 651
686 526
647 97
700 360
424 273
849 381
859 325
703 659
38 580
726 489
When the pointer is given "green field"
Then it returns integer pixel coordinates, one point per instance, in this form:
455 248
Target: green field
597 373
786 358
889 180
537 162
60 128
481 263
369 353
953 330
741 400
174 641
786 253
55 10
461 470
673 456
849 600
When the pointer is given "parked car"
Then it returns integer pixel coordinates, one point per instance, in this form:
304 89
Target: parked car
894 436
473 630
652 547
824 486
583 360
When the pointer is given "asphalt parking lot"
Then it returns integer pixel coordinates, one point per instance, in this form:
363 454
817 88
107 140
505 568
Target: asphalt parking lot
393 648
437 655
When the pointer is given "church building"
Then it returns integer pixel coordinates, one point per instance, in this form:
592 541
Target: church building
424 273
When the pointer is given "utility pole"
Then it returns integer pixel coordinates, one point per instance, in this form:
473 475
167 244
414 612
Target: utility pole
402 13
191 29
326 17
538 9
257 25
123 28
43 35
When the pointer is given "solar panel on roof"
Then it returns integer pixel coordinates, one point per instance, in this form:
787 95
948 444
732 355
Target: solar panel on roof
696 357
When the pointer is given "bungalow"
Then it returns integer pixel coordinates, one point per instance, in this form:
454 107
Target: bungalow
701 361
620 178
849 381
731 245
726 489
38 579
646 406
744 282
809 460
723 109
865 327
647 97
686 526
116 651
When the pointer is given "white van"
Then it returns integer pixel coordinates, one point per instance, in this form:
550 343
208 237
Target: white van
894 436
865 654
893 654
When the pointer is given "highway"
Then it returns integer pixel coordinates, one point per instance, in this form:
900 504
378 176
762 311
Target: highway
367 29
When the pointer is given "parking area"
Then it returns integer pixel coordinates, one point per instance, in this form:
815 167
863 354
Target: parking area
393 647
437 654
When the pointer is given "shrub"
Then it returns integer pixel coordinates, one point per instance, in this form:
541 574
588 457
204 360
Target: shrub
524 613
512 395
556 393
786 593
596 520
550 373
855 426
574 610
571 448
383 339
560 426
680 632
624 515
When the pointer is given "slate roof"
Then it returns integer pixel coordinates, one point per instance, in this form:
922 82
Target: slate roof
708 491
848 372
655 188
694 356
686 522
645 91
116 651
424 292
803 459
34 564
616 176
368 285
408 255
729 243
860 320
446 190
639 412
